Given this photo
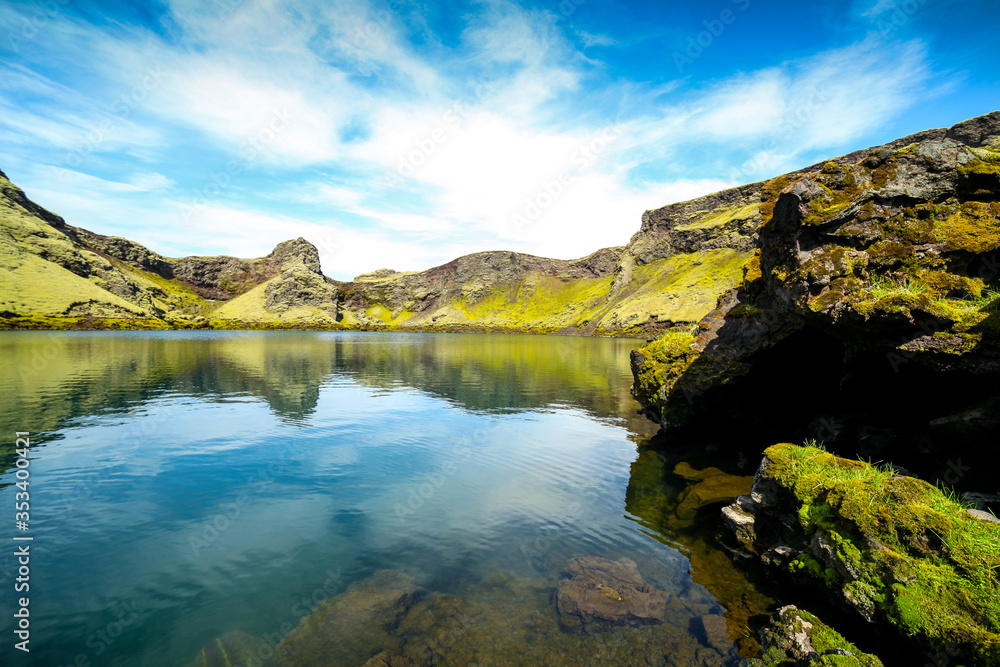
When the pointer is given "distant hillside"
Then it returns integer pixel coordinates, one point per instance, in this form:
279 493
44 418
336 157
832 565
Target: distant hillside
684 255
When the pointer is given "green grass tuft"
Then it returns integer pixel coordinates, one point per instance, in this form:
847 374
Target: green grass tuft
883 287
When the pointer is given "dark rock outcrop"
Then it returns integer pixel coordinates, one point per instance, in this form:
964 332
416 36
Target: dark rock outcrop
887 258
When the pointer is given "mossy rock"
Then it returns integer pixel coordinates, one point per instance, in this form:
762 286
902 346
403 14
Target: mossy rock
890 252
892 547
796 638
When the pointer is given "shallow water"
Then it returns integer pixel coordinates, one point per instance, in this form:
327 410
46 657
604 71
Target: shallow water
186 485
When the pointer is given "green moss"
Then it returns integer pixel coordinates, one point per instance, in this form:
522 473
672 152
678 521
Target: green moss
826 206
805 563
89 323
38 322
972 226
831 648
682 288
825 639
906 289
539 301
928 566
665 360
751 270
769 197
988 162
721 218
745 311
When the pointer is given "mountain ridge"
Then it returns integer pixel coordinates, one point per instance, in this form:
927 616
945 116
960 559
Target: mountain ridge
126 285
669 275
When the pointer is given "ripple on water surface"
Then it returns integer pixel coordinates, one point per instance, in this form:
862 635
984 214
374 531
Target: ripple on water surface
219 489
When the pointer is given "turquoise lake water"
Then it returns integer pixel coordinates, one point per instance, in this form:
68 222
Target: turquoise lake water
186 485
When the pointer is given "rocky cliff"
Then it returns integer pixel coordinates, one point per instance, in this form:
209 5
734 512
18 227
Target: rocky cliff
866 321
669 274
874 274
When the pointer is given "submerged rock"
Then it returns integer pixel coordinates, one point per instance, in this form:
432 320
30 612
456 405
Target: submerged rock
503 620
796 638
715 632
383 659
713 486
236 648
602 593
350 628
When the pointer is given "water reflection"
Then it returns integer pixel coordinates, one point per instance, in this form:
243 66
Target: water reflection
215 480
54 377
668 487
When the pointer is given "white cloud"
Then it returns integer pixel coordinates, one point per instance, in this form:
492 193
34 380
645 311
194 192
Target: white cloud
879 7
806 105
483 129
81 182
595 40
150 181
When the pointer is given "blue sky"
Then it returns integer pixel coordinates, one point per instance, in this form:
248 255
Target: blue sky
402 134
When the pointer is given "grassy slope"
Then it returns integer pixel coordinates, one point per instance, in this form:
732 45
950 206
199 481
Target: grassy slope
49 281
681 288
33 286
249 308
38 290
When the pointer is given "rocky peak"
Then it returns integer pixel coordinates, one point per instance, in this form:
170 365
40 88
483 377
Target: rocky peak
978 132
288 252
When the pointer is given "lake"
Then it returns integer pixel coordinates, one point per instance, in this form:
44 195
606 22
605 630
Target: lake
204 494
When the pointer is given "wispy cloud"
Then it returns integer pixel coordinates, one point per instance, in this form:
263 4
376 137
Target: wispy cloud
150 181
404 138
589 39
